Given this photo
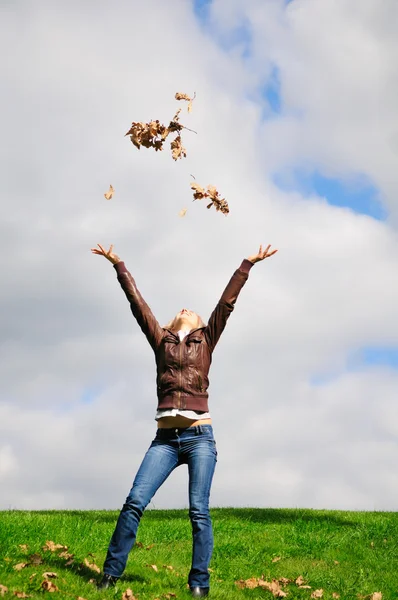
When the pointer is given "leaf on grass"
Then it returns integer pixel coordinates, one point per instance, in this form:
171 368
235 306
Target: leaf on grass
20 566
91 566
3 590
335 595
274 586
50 546
300 580
336 562
149 547
49 586
66 555
24 547
32 576
80 598
376 596
276 559
169 567
182 212
139 545
35 559
154 567
304 587
21 595
170 595
108 195
317 594
50 575
128 595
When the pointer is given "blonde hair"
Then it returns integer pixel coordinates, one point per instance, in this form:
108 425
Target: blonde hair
171 324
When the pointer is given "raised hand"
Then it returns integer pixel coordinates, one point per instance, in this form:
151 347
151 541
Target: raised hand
113 258
261 254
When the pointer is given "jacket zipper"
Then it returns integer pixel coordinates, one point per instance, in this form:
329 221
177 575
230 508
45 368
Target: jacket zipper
179 392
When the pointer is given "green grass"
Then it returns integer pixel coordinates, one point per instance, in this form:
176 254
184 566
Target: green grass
350 553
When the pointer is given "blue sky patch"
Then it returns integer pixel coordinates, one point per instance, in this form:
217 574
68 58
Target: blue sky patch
272 92
358 193
364 358
202 9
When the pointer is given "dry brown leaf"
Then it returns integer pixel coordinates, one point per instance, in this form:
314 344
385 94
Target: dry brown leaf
177 149
317 594
20 566
109 194
50 575
276 559
154 567
182 212
80 598
304 587
219 203
3 590
128 595
35 559
66 555
49 545
24 547
91 566
181 96
284 580
49 586
336 562
170 595
376 596
21 595
149 547
300 580
32 576
169 567
335 595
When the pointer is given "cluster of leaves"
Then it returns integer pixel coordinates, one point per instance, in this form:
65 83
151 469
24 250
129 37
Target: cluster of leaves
277 587
154 134
211 192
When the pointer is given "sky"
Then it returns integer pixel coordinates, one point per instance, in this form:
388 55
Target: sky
296 124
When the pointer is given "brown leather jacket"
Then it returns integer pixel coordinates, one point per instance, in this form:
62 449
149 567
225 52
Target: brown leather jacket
183 367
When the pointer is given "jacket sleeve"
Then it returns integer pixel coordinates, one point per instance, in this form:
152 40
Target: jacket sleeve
139 307
219 316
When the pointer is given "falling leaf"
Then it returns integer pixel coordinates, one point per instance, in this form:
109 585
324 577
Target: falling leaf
35 559
49 545
92 566
50 575
108 195
317 594
182 212
335 595
276 559
177 149
3 590
376 596
220 204
49 586
20 566
181 96
24 547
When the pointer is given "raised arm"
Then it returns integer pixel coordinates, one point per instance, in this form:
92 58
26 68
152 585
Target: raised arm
226 304
139 307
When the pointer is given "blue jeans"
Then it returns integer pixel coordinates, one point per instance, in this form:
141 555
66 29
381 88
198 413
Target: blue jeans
194 446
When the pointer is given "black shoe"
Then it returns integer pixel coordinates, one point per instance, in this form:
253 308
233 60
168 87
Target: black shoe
198 592
107 581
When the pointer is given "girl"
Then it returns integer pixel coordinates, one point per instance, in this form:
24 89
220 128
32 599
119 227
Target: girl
183 351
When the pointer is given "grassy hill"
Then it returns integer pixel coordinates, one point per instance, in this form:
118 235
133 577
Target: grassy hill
350 555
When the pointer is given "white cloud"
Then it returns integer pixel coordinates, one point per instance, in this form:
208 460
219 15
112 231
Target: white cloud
75 82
